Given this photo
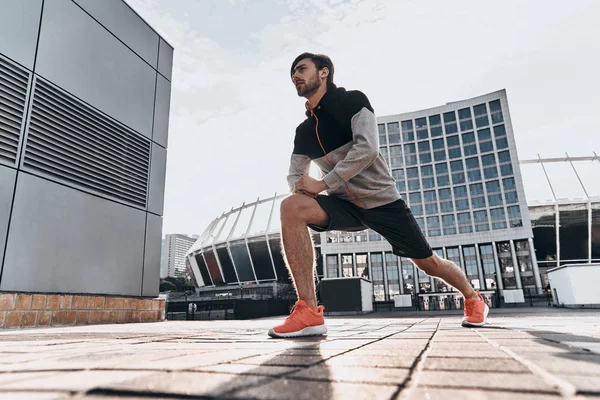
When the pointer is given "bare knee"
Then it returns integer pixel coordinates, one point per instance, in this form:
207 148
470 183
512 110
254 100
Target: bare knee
294 207
300 208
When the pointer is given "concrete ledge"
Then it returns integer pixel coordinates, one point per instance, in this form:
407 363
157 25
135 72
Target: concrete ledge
23 310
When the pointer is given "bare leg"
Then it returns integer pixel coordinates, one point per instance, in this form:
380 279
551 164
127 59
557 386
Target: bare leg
297 212
448 272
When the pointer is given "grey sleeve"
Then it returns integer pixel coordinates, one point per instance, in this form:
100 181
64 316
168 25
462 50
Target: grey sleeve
364 151
299 165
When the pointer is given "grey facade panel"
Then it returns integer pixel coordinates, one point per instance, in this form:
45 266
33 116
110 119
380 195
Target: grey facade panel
7 183
151 280
125 24
161 111
79 55
19 24
156 191
165 59
63 240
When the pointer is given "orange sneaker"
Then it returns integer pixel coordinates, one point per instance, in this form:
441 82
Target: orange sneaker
476 312
303 321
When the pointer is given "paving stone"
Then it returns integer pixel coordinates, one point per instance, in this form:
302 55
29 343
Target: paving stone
382 351
296 389
340 373
33 396
573 363
468 394
189 383
202 359
487 380
75 381
8 377
468 353
374 361
266 370
589 383
462 346
474 364
283 360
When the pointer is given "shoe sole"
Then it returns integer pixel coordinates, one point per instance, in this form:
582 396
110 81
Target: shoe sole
476 324
309 331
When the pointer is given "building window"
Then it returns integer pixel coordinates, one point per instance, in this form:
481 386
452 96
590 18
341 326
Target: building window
490 172
506 170
472 271
464 116
396 157
433 226
347 265
499 131
362 267
398 174
489 268
464 222
382 135
498 218
524 262
421 125
507 268
410 154
377 274
496 112
374 236
408 275
446 206
511 197
485 141
514 216
408 135
331 261
394 132
450 122
331 237
393 276
449 224
495 200
360 236
501 143
481 221
481 118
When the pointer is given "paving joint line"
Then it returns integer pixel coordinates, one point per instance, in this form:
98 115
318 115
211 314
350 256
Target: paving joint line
414 376
564 388
302 367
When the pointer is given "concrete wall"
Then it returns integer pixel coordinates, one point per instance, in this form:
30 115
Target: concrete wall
84 97
576 285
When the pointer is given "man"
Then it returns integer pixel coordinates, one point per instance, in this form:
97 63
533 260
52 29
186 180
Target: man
340 136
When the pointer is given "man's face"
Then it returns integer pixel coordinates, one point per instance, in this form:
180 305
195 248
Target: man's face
306 78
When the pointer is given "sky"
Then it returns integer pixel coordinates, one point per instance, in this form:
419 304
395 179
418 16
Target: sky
234 110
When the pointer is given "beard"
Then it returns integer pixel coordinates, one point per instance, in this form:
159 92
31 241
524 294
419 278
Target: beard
309 87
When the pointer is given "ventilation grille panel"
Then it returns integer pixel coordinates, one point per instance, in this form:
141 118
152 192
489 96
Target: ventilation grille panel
73 142
13 94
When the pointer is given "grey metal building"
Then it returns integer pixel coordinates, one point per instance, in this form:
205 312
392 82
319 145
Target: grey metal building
84 110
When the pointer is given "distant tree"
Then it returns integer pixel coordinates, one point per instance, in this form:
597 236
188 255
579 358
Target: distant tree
166 286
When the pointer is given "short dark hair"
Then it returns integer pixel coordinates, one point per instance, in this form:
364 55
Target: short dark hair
320 60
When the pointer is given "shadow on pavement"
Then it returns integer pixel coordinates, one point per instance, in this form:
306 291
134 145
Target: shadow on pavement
306 353
580 348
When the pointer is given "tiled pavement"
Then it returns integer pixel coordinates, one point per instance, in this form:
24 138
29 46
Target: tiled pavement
516 357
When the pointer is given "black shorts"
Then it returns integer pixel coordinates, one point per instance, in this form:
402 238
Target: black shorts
394 221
